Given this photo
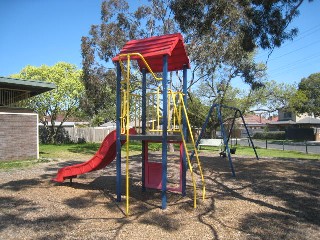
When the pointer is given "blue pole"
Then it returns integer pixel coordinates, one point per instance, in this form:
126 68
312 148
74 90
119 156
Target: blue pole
233 121
245 125
204 127
144 108
118 133
184 123
225 139
164 131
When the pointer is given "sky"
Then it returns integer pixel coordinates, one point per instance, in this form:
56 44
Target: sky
36 32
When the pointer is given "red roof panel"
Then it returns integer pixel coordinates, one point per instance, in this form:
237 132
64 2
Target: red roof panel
153 49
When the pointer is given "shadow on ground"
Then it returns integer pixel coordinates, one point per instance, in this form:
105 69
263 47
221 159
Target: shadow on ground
268 199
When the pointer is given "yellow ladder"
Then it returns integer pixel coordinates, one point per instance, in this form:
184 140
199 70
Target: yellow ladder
177 111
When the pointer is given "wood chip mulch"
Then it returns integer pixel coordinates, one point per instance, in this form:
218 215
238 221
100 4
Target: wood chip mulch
268 199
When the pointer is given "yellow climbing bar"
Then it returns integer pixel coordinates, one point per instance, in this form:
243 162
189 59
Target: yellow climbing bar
194 145
127 56
125 110
178 113
177 110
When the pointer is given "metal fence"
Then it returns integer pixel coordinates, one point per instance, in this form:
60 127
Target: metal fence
305 147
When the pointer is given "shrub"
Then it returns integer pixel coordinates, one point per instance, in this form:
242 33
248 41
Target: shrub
62 136
276 135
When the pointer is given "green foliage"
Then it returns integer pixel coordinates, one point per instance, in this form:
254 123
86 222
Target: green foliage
221 38
118 25
197 112
224 34
272 96
63 101
307 99
254 23
276 135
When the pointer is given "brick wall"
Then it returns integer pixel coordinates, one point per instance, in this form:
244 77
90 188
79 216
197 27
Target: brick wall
18 136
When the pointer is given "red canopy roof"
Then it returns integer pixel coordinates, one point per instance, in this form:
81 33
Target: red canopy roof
153 49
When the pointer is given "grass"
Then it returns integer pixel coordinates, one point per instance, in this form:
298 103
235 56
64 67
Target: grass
86 150
268 153
5 165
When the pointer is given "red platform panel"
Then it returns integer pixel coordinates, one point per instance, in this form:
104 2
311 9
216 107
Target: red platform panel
154 175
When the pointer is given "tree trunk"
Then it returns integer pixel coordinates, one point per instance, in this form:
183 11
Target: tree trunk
171 147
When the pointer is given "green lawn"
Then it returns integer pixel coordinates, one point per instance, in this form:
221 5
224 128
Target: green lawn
86 150
271 153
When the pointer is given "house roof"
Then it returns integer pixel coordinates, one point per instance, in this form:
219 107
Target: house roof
154 48
289 122
14 90
309 120
33 87
252 119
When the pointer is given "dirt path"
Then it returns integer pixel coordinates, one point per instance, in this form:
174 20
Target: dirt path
268 199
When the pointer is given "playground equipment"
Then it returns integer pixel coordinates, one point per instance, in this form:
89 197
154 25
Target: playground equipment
227 150
136 105
167 122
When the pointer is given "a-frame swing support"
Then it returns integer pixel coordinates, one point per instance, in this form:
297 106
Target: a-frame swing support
225 137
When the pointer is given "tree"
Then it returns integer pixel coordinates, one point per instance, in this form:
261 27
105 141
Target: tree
217 93
118 25
307 98
64 100
197 111
255 23
223 35
271 97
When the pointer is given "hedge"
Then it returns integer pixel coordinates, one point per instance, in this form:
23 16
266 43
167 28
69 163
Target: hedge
276 135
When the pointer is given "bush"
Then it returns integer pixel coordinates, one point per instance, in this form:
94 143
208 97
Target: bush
62 137
277 135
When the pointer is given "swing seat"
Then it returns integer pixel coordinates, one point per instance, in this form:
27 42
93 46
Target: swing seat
233 150
223 154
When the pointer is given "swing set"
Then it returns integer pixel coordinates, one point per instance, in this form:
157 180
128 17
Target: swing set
226 135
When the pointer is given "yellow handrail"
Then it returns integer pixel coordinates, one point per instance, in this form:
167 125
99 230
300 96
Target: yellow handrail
194 145
127 55
186 151
179 116
127 135
125 121
125 117
158 108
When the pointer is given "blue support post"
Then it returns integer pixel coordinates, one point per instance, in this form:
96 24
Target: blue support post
144 114
225 139
245 125
184 123
118 133
164 131
233 121
203 128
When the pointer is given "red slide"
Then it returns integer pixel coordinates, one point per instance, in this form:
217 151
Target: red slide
103 157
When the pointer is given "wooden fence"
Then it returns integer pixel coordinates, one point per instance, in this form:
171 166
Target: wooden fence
88 134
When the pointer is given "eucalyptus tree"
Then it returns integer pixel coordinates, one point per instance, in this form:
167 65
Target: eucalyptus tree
224 35
119 24
221 39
